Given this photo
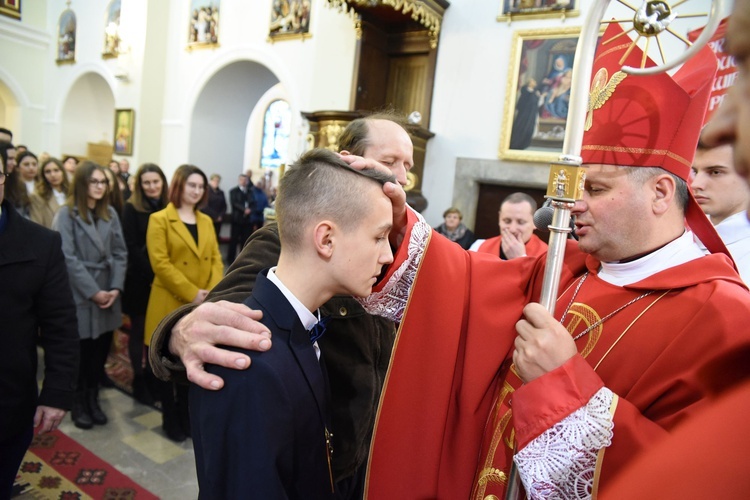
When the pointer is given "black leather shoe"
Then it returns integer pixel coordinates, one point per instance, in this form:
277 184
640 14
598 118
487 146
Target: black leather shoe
174 433
97 415
141 392
80 412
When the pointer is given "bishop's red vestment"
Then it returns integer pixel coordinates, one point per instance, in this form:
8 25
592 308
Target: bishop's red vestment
445 428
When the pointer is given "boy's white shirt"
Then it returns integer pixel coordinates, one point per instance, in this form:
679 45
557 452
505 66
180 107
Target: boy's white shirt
307 318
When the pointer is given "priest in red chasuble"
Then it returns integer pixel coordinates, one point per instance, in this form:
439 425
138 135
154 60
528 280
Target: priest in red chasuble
481 375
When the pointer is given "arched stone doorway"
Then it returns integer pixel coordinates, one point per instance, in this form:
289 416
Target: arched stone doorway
10 109
221 117
88 115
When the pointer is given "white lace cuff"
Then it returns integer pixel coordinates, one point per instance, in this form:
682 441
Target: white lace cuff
390 301
561 463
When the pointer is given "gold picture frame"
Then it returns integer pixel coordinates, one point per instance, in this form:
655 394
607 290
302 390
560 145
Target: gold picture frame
537 94
67 27
124 128
511 10
11 8
290 20
112 30
203 25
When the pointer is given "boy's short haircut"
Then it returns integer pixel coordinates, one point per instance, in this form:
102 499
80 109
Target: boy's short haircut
320 185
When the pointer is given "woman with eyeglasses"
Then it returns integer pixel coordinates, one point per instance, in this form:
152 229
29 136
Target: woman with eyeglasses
96 258
185 257
50 194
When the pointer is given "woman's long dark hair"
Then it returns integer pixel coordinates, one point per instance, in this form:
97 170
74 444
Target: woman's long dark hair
138 198
79 193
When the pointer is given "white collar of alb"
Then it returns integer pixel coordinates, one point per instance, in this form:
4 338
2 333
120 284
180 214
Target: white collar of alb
682 250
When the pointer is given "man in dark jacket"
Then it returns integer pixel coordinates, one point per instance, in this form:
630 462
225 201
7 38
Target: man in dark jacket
260 202
356 347
242 202
216 206
37 306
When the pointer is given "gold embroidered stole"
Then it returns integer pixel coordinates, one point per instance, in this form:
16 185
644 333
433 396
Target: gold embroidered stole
496 455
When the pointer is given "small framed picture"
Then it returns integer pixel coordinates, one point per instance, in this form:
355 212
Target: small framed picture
112 30
538 94
511 10
290 19
11 8
203 26
124 123
66 37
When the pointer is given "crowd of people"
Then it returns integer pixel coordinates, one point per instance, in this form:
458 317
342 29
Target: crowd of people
650 298
82 244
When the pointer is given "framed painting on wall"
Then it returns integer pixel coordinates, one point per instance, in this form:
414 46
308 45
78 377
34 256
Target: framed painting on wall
11 8
537 94
66 37
536 9
112 30
290 19
203 28
124 123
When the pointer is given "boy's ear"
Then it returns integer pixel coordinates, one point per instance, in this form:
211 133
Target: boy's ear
324 235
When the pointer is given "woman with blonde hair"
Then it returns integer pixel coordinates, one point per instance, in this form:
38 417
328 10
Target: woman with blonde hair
96 258
50 194
185 257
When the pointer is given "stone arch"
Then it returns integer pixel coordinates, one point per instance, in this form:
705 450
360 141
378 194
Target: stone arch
221 116
86 114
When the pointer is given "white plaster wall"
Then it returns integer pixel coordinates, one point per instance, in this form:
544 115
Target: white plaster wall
67 127
314 74
297 64
468 101
24 45
88 115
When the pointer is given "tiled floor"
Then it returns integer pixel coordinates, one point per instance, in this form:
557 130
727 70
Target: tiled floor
134 443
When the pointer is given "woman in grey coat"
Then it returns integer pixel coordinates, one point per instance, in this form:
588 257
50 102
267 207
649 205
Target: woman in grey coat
96 258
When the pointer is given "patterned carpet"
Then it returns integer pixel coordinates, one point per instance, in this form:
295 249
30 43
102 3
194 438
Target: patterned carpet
57 467
118 367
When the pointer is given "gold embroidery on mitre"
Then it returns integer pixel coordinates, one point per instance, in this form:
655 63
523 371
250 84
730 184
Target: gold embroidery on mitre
601 91
640 151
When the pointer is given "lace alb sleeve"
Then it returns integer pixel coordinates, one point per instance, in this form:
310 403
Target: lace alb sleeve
390 301
561 463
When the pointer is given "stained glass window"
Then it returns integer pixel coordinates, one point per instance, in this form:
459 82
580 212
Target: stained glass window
276 126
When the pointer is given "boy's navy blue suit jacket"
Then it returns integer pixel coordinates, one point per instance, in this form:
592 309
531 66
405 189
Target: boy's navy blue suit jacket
263 434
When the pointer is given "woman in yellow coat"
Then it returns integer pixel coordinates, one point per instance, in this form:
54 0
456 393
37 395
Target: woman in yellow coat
185 257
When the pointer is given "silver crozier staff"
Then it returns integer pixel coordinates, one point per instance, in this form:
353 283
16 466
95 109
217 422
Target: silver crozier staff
566 176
